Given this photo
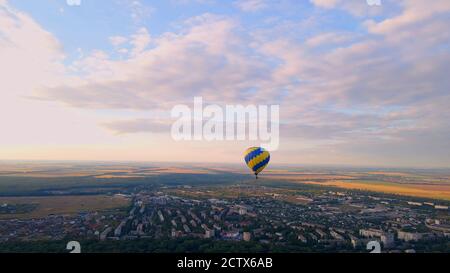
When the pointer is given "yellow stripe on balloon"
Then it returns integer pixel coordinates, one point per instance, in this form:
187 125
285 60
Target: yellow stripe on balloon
260 158
249 150
261 169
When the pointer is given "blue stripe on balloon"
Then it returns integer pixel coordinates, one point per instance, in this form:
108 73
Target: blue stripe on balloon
252 155
248 156
261 164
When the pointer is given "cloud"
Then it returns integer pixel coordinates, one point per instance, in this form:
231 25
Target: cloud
118 40
26 50
33 58
140 40
375 95
359 8
331 38
378 91
207 58
185 2
73 2
139 126
415 14
251 5
326 3
139 10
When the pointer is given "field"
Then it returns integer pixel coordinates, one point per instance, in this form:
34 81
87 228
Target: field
248 190
78 178
425 185
63 205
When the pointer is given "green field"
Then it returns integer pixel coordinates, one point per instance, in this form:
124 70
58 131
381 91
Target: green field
43 206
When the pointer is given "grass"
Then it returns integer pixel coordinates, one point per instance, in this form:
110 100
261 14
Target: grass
63 205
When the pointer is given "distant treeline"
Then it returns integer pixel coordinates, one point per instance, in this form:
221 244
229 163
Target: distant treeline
182 245
35 186
192 245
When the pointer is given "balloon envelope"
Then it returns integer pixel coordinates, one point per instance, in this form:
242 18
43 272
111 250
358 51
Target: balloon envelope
257 159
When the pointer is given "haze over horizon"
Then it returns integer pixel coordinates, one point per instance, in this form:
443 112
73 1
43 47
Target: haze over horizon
357 85
219 164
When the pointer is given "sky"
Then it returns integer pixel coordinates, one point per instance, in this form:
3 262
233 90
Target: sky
357 84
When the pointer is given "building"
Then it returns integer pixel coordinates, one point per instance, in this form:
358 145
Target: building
186 228
354 241
321 233
105 233
140 229
336 235
387 239
210 233
313 237
302 238
161 216
118 230
409 236
371 232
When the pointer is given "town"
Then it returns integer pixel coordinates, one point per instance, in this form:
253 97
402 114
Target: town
323 221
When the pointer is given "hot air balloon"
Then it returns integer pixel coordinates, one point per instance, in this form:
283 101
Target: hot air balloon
257 159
